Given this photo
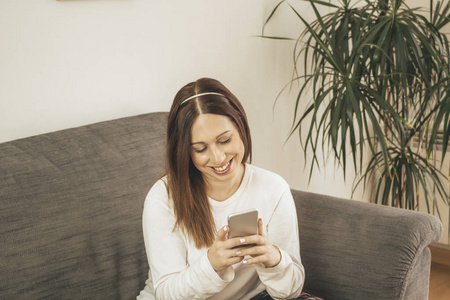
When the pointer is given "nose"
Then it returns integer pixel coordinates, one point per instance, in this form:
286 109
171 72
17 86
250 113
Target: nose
217 156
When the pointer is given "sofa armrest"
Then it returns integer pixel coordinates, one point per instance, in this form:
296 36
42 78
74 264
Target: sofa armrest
355 250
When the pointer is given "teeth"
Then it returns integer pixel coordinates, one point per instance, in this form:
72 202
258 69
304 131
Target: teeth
222 168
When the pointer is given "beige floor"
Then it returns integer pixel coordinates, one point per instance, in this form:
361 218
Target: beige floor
439 282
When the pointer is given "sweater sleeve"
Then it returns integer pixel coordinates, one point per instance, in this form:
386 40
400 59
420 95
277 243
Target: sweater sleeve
285 280
172 276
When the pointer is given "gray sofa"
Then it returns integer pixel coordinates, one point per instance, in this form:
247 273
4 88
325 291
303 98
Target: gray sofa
70 222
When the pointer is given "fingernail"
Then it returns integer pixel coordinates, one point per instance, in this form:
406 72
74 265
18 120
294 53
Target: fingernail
238 252
244 262
242 240
225 228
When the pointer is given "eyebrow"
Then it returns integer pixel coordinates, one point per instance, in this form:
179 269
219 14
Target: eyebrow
216 138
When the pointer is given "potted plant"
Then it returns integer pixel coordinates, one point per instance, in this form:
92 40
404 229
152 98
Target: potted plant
380 80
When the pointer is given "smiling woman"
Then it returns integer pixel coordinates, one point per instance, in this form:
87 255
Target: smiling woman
196 107
208 177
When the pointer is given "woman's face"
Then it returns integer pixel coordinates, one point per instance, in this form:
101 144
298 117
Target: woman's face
216 147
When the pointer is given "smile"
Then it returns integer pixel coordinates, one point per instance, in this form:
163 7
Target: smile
223 169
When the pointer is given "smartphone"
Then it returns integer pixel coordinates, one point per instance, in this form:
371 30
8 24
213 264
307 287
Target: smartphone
243 223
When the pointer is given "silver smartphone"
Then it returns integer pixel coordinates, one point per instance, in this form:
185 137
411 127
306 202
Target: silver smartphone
243 223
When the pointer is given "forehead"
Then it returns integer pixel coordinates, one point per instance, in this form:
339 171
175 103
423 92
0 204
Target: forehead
208 127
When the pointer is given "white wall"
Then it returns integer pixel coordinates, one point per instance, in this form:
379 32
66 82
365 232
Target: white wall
73 62
67 63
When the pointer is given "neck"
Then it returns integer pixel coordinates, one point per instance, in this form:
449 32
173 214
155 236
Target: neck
222 190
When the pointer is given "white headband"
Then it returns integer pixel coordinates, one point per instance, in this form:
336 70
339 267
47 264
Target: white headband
198 95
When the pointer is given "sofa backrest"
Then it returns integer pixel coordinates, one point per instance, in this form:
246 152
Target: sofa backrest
70 209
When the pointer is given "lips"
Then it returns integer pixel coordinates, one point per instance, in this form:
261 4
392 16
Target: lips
223 169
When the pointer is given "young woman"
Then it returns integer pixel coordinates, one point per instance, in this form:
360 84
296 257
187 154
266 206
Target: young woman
207 178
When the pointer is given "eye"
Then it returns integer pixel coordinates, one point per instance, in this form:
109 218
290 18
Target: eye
226 141
200 150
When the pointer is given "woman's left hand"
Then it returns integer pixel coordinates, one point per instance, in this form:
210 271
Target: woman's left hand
263 251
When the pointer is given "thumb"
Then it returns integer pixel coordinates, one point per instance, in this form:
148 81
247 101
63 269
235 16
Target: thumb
260 227
222 234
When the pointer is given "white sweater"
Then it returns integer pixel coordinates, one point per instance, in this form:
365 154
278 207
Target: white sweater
178 270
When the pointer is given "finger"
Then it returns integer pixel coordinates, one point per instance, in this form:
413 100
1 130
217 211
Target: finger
260 227
254 260
222 234
247 240
234 260
237 242
252 251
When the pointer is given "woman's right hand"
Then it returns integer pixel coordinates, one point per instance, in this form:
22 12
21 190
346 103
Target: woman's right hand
221 255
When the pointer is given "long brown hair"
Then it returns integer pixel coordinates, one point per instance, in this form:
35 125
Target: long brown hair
185 183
